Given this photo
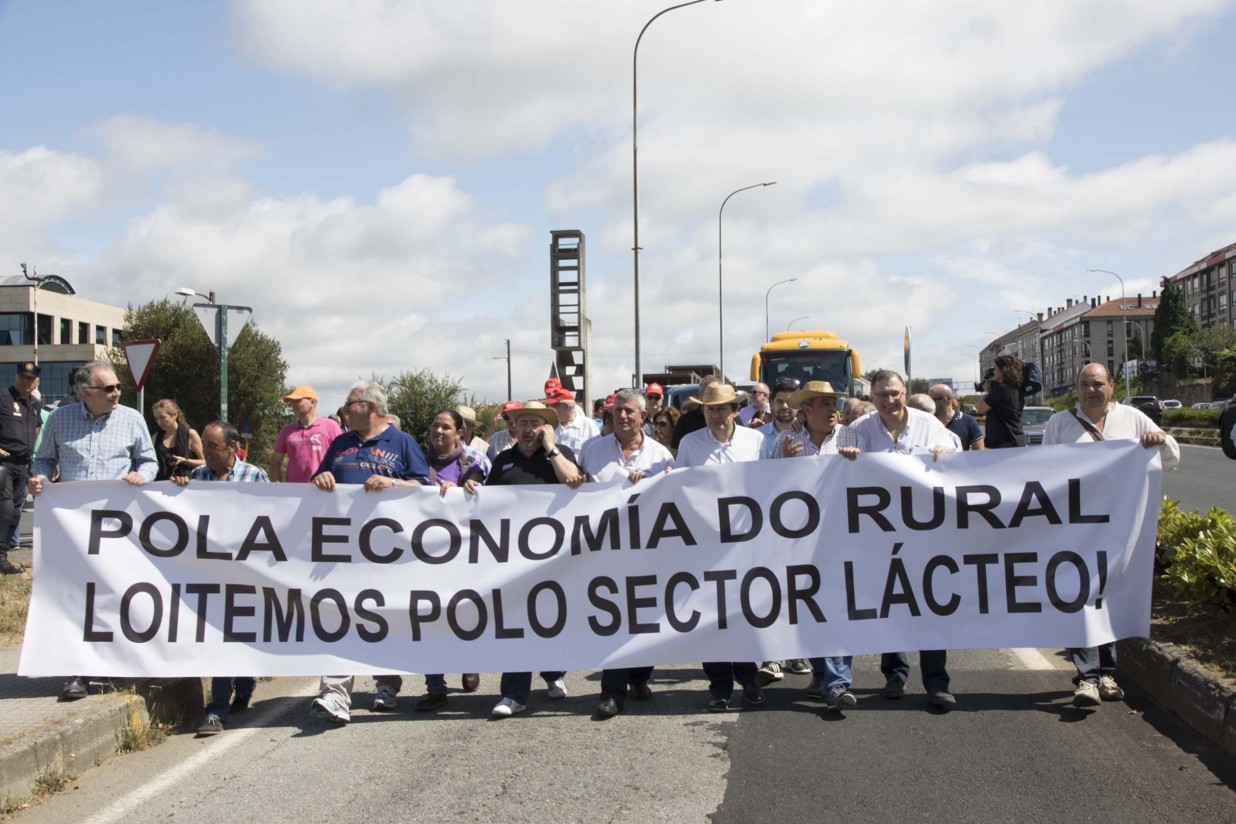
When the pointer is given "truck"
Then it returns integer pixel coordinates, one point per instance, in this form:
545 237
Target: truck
808 356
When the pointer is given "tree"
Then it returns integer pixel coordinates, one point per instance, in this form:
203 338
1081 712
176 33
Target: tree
1179 353
1171 317
416 396
1136 345
186 370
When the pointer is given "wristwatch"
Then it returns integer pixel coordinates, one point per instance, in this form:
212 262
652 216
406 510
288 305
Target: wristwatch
552 453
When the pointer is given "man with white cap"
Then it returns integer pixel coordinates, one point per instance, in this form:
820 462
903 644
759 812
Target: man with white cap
302 443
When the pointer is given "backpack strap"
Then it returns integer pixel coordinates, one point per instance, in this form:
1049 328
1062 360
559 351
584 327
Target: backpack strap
1087 425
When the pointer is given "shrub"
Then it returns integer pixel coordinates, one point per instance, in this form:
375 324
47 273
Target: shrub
1197 553
1196 418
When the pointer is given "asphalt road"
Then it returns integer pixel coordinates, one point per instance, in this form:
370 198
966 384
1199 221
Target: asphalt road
1206 478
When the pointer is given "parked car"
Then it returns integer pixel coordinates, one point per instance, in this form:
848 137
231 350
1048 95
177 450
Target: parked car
1149 404
1033 419
1202 405
1173 404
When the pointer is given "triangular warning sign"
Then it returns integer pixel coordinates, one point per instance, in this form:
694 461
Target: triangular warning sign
141 355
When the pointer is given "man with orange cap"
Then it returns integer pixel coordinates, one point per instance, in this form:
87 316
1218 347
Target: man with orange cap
304 441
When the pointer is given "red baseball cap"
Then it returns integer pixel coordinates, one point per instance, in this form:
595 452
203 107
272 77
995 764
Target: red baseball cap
558 396
511 406
609 400
654 389
552 385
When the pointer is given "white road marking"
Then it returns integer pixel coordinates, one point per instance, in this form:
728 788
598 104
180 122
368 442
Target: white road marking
185 769
1031 659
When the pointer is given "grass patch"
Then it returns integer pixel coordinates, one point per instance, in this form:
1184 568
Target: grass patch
138 733
14 604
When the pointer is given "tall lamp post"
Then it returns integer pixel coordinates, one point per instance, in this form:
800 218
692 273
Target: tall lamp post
766 294
721 278
507 358
639 373
213 317
1124 323
796 320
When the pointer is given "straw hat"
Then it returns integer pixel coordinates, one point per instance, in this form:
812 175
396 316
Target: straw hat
716 394
814 389
539 409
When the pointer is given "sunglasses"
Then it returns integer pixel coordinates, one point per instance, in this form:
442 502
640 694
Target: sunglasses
107 389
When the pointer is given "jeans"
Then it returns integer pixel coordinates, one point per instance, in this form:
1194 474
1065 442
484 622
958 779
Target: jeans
435 684
614 681
932 662
836 670
517 686
1093 662
723 674
221 694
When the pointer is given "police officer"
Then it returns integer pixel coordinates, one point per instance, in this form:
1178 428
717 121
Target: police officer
20 420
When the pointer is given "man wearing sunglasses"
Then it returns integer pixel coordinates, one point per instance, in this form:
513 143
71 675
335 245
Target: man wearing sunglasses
95 440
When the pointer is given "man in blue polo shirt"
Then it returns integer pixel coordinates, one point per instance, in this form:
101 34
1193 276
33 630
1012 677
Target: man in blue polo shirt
379 456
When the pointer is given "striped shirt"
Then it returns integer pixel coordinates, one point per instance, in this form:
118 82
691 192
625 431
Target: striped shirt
240 471
87 448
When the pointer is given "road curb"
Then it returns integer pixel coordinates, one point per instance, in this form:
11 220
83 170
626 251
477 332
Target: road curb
1205 702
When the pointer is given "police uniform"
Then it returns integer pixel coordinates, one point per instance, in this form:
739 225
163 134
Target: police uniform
20 420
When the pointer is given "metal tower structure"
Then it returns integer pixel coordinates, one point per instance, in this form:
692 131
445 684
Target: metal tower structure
570 331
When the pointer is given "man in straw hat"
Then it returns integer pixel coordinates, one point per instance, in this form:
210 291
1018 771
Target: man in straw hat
536 458
722 441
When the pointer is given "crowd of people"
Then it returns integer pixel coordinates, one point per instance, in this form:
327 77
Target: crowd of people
551 441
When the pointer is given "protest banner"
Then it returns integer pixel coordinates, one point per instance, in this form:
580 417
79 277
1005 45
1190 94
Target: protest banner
1043 547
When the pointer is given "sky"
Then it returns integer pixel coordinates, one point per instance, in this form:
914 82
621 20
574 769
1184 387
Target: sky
378 179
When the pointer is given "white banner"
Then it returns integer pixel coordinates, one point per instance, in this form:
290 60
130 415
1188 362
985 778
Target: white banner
1041 547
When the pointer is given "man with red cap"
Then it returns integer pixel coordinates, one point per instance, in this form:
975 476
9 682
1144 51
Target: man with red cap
654 397
501 438
574 429
302 444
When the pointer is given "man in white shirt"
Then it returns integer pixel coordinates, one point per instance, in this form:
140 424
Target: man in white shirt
574 429
1095 419
627 456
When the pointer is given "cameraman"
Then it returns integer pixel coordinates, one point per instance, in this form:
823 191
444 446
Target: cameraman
1002 404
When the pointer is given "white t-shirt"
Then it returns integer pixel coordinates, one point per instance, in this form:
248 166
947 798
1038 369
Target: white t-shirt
701 447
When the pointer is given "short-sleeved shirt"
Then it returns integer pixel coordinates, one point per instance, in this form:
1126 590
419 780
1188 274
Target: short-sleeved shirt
240 472
702 447
305 447
603 460
921 432
391 453
512 467
1124 423
19 423
966 429
576 433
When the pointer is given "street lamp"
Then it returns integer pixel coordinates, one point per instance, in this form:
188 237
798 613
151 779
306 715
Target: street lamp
766 294
639 375
721 279
188 293
796 320
507 358
1124 322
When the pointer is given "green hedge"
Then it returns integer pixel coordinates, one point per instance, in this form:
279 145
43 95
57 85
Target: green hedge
1199 418
1196 553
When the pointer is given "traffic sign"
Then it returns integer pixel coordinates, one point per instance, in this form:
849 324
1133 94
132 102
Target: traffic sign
140 355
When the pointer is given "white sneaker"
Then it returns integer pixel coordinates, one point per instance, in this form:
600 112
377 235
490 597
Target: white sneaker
385 700
1086 694
331 708
506 708
557 689
1109 690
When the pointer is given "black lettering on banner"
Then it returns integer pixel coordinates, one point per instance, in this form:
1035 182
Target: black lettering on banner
178 524
633 521
452 614
315 615
156 612
501 632
203 551
415 617
499 550
1034 491
1012 581
851 603
525 544
534 619
794 594
173 615
728 535
660 531
582 534
984 509
720 576
261 538
937 509
598 600
454 541
1100 558
280 620
929 585
671 614
89 634
636 603
364 613
810 523
124 526
1083 581
203 593
365 541
1075 513
319 538
897 589
233 610
854 506
744 593
980 564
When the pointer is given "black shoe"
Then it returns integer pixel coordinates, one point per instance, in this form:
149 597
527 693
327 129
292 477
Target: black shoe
74 689
211 726
942 698
893 688
752 693
240 703
431 702
471 681
718 705
608 707
7 567
641 692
